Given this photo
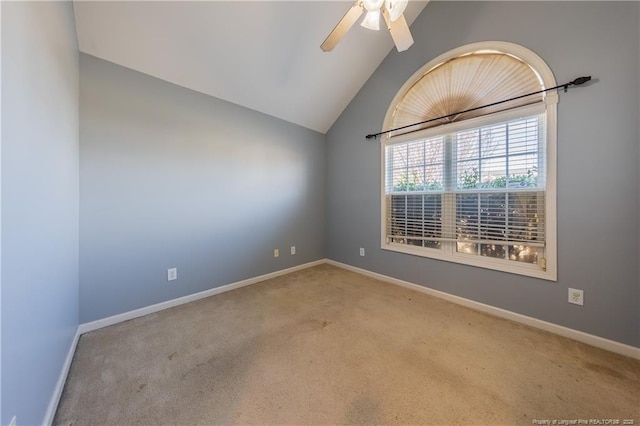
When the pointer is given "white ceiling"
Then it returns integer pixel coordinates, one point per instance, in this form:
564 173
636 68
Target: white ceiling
264 55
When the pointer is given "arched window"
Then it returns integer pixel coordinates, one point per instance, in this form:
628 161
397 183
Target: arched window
476 188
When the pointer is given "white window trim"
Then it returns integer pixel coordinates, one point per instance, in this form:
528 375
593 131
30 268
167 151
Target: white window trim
550 105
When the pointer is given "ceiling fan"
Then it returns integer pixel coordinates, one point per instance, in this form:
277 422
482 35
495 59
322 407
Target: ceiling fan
391 10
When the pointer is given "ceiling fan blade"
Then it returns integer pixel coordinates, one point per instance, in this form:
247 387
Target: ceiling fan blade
399 31
343 26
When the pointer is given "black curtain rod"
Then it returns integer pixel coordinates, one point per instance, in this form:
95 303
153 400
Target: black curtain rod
578 81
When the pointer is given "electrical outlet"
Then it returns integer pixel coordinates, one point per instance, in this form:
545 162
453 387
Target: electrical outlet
293 250
14 421
361 251
172 274
576 296
276 253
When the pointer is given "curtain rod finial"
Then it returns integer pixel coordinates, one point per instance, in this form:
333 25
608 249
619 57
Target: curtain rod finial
581 80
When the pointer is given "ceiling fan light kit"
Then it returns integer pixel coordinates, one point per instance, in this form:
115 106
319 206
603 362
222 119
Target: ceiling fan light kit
371 20
391 10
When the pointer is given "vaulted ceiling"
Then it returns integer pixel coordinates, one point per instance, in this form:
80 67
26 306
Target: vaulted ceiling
263 55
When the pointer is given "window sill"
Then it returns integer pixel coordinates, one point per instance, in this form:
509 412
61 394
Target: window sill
475 260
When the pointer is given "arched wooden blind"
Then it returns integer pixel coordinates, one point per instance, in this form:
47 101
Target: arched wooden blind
466 82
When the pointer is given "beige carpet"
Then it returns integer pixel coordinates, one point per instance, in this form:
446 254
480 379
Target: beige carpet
328 346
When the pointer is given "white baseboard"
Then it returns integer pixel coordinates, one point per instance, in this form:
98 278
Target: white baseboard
599 342
115 319
57 392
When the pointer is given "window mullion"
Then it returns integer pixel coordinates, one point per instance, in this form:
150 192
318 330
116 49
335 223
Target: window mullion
448 197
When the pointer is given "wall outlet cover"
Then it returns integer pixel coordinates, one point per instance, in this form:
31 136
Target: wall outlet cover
276 253
361 251
293 250
576 296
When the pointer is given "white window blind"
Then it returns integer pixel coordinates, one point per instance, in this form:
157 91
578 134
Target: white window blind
476 191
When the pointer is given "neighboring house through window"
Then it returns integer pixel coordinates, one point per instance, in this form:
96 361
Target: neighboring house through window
477 188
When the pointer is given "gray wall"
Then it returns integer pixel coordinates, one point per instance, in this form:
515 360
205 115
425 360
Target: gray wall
598 168
175 178
39 203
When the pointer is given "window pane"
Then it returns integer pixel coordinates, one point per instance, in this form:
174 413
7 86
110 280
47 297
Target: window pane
434 178
467 213
415 154
433 220
494 173
417 216
493 141
526 254
434 164
493 250
434 150
414 219
508 156
396 173
397 217
399 155
492 216
489 220
526 216
468 145
416 177
468 174
468 248
523 171
399 176
523 136
416 166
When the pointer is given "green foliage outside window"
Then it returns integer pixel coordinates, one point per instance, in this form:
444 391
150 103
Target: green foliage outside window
468 180
471 180
414 184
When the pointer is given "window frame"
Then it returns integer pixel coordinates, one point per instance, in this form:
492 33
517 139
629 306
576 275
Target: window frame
548 108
